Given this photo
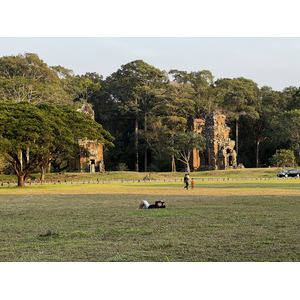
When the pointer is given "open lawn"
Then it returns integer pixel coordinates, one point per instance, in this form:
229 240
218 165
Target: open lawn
236 220
289 186
126 175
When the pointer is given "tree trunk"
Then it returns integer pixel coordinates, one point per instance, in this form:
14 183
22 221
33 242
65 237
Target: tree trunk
188 168
43 172
27 155
146 150
44 166
146 160
237 137
21 181
20 157
173 164
257 154
136 145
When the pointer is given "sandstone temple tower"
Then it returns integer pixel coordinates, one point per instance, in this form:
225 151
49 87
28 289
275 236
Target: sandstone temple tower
94 161
219 153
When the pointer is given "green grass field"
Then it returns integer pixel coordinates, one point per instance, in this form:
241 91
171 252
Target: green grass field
118 175
236 220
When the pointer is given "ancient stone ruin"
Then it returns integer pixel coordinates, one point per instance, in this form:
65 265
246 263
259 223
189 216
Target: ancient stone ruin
219 153
93 162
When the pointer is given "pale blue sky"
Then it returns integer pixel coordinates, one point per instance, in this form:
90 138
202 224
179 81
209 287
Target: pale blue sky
267 61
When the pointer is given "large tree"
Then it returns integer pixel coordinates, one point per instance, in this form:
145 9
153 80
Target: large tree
260 129
27 78
156 136
288 130
204 93
131 89
174 105
185 143
81 88
239 98
289 98
44 129
255 132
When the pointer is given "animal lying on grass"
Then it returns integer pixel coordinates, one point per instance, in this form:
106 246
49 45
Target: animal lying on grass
158 204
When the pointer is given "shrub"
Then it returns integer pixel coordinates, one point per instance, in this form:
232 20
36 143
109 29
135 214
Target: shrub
122 167
283 158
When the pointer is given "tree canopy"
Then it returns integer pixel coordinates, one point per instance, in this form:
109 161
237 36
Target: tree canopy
27 78
45 130
146 109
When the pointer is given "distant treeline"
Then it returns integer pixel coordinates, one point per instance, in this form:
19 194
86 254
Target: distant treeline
145 109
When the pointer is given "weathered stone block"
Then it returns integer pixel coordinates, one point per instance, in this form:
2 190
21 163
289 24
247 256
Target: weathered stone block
219 153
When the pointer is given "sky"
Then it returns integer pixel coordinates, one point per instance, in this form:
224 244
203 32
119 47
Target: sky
271 61
258 39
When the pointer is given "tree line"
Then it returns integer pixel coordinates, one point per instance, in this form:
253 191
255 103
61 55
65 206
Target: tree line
145 111
39 122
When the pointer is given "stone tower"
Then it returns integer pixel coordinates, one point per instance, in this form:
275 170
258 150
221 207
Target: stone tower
219 153
94 162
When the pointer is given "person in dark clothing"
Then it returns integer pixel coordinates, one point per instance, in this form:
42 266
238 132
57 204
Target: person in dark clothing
186 181
158 204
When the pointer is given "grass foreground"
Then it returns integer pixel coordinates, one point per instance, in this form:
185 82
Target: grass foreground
236 220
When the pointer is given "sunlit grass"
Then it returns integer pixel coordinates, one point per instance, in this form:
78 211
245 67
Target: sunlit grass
129 175
225 220
290 186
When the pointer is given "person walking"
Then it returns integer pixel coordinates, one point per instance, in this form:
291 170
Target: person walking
186 181
192 183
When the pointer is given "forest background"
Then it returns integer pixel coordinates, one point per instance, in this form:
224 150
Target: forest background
147 109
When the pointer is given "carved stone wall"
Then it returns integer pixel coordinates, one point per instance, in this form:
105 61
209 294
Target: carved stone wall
219 153
94 162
